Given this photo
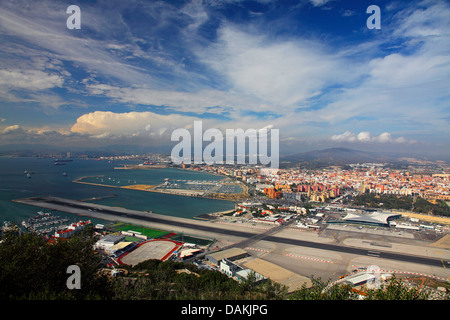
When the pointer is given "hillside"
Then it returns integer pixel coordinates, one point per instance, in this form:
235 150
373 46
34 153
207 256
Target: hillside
335 156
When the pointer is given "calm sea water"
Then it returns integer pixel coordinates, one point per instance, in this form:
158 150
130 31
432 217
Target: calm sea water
49 179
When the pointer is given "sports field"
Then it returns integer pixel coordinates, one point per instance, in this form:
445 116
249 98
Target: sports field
153 249
150 233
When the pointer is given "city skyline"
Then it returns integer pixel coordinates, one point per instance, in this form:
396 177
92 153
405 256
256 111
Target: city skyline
136 71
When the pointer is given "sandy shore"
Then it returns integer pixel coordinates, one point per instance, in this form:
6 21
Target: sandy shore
141 187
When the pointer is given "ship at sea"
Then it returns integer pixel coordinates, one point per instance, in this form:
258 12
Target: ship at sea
28 173
61 162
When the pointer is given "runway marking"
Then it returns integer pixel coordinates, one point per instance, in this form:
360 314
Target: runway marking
256 249
307 258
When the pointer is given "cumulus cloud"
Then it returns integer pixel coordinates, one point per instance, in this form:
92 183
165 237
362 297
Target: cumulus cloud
345 137
103 124
366 136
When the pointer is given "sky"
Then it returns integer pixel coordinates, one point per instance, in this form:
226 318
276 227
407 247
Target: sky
137 70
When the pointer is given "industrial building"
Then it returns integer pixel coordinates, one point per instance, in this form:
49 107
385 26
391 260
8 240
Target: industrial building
242 274
107 242
228 254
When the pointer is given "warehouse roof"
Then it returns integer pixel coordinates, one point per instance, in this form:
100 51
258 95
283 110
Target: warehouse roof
227 254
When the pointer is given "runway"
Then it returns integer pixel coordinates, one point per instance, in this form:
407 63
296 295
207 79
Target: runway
116 214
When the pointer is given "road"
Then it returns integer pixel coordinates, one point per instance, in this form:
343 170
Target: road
93 210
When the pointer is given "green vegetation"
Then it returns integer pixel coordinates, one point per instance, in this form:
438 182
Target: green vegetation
32 268
440 208
153 279
390 201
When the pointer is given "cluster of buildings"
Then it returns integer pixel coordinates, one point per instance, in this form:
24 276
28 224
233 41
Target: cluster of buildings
323 184
269 215
150 157
72 229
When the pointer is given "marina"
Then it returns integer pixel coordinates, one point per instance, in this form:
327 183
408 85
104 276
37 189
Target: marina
45 223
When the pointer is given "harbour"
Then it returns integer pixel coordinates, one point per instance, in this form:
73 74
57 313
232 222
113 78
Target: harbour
47 179
45 223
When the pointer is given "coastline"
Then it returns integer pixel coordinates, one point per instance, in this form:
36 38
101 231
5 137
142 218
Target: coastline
213 215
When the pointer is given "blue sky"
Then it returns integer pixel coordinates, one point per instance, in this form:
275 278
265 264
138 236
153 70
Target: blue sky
137 70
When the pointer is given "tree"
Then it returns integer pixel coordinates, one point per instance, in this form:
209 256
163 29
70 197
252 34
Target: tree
394 289
33 268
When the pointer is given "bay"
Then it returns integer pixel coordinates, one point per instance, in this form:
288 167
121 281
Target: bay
48 179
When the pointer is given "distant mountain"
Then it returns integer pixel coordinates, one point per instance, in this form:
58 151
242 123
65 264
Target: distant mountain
336 156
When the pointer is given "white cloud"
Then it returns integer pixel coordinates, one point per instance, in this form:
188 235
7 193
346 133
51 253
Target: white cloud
385 137
366 137
44 27
281 74
29 79
426 19
106 123
309 86
201 101
11 129
345 137
319 3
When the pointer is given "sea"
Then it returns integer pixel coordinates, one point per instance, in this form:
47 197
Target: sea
30 177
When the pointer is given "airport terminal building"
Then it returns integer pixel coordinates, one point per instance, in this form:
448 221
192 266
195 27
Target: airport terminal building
380 219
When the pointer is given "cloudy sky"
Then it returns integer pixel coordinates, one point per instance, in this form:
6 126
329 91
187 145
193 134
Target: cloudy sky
137 70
